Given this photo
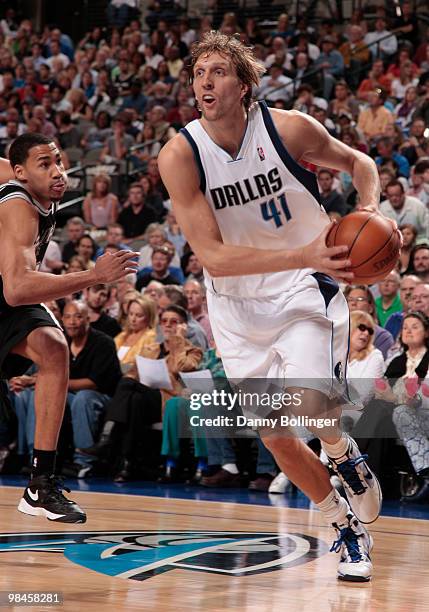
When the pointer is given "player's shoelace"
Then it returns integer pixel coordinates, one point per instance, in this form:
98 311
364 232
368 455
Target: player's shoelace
54 488
350 539
348 471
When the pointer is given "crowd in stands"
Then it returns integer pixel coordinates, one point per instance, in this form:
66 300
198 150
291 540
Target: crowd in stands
116 96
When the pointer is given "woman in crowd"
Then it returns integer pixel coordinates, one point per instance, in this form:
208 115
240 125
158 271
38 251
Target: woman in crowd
101 206
155 235
359 297
409 235
404 375
365 363
136 407
404 81
405 110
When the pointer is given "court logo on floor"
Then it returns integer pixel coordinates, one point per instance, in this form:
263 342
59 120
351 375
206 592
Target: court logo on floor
141 555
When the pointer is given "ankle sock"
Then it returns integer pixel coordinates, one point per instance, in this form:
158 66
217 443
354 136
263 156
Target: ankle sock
231 468
337 450
43 463
335 509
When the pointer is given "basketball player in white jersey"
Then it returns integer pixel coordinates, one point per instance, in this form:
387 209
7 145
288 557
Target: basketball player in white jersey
28 330
252 215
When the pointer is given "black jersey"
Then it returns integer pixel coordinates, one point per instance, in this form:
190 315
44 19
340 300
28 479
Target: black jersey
14 190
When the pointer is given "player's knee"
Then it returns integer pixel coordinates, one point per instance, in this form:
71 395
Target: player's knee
51 348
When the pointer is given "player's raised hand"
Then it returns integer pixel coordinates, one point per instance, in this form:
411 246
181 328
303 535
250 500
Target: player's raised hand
328 260
113 266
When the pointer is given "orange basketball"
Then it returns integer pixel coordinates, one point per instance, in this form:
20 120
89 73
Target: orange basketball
373 245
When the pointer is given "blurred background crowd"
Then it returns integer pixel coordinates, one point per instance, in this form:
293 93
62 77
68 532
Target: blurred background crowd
111 97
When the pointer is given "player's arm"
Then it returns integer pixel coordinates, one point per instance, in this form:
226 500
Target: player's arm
306 139
197 221
6 172
22 283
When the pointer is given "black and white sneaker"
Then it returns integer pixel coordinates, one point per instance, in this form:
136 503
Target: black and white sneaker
354 544
43 497
360 483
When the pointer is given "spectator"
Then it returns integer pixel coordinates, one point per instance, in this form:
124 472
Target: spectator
161 259
365 362
376 79
417 145
409 292
98 134
420 262
387 47
118 145
75 228
275 85
373 120
195 295
331 200
409 416
155 236
356 55
343 102
157 119
136 217
192 268
68 134
94 374
417 187
305 73
359 297
331 62
389 301
86 249
101 206
173 295
136 99
114 237
386 154
404 81
96 298
52 261
409 235
405 209
405 110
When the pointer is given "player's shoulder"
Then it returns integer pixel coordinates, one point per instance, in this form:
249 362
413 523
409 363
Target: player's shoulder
291 119
176 149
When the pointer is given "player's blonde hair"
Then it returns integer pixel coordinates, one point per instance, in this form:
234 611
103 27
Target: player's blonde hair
249 70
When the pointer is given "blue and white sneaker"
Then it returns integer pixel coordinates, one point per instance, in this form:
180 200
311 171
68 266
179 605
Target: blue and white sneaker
360 483
354 544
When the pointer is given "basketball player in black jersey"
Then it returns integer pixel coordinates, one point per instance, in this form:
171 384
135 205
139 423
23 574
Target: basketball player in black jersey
28 331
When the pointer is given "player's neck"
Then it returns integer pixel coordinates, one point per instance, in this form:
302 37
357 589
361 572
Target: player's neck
45 203
228 132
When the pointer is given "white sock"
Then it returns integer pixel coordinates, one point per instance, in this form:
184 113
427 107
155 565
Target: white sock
337 450
335 509
231 468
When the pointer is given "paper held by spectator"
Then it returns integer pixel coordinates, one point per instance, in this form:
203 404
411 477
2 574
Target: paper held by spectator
200 381
153 373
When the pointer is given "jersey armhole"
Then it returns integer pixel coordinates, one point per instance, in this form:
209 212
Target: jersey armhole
304 176
197 157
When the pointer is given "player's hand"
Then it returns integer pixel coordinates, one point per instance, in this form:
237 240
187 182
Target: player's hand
328 260
375 209
113 266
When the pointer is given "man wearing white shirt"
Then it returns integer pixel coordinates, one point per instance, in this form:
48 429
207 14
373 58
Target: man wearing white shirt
271 85
388 47
56 54
405 209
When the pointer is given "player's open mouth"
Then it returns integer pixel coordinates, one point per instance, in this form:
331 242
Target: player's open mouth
209 100
58 186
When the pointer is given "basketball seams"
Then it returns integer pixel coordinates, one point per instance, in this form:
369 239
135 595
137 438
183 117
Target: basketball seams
362 263
359 233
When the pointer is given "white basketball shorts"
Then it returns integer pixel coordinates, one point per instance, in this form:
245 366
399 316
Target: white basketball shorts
302 334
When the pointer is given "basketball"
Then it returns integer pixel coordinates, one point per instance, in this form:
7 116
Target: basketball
373 245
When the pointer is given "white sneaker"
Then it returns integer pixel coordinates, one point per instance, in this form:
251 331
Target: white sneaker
360 483
279 484
354 544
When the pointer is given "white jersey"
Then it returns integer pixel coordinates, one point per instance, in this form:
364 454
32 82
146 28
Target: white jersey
262 199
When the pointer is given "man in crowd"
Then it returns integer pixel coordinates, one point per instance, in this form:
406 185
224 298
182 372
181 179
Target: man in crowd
161 259
420 262
94 374
408 287
194 294
389 301
136 216
405 209
332 201
75 228
96 298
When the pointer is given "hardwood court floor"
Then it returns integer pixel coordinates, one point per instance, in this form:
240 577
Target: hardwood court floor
400 582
